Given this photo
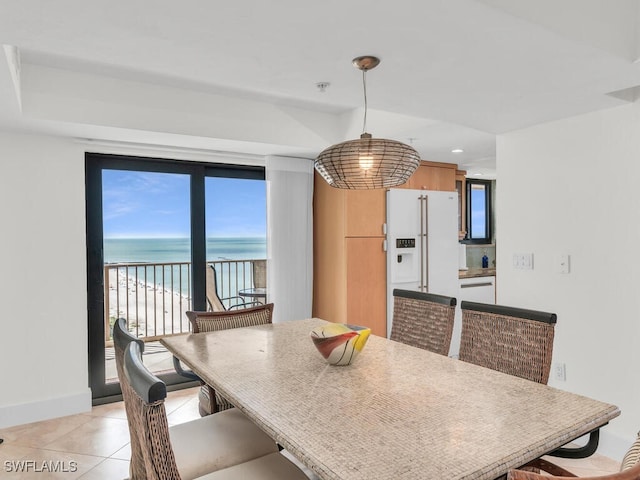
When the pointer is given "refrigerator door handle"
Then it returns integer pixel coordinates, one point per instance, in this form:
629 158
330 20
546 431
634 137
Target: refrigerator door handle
422 199
426 242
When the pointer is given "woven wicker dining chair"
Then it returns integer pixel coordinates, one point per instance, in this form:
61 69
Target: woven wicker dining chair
211 401
629 469
518 342
423 320
203 445
224 446
121 340
508 339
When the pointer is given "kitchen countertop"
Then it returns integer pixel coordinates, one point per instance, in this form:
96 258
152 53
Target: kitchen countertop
477 272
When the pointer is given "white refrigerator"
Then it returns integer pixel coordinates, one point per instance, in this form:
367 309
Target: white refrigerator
422 243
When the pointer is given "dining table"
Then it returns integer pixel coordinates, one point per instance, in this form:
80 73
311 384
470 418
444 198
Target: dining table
397 412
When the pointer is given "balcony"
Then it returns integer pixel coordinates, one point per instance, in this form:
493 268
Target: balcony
154 297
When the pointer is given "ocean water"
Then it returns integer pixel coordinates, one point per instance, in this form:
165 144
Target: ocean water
160 250
172 250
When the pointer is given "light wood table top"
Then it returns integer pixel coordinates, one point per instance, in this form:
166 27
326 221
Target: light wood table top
397 412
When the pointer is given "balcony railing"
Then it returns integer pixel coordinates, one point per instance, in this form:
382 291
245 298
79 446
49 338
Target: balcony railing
154 297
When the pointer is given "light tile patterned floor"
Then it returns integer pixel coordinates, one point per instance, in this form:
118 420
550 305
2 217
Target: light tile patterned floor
98 443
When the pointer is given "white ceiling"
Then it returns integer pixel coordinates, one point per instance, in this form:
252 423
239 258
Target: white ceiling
241 76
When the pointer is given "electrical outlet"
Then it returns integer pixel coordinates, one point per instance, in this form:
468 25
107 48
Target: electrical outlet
560 370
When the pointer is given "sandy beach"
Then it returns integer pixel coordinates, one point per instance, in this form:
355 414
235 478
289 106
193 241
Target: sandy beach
149 309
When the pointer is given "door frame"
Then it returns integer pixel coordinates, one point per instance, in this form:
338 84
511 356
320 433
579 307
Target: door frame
95 163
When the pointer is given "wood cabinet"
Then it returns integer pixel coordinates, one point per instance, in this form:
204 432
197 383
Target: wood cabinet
349 262
364 212
366 293
433 176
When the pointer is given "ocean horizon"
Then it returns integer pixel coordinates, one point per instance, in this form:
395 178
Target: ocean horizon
163 250
154 251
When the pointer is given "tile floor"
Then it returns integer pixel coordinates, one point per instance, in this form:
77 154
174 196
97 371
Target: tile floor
98 443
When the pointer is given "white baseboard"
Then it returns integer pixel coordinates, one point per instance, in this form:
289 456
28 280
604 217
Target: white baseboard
11 415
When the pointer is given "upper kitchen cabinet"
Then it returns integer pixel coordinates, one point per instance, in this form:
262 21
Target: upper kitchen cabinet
364 212
433 176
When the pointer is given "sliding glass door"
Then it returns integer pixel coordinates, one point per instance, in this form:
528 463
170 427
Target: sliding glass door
236 239
153 228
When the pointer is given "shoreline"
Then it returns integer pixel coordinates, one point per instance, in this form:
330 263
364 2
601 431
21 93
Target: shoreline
149 309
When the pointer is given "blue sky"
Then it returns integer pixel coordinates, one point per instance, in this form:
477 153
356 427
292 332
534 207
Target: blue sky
478 212
149 204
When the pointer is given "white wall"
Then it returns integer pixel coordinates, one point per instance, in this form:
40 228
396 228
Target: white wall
571 186
43 289
43 344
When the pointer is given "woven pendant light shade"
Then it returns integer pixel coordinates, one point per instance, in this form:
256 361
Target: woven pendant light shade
367 163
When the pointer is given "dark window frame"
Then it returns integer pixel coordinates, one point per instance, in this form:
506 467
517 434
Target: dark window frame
487 239
95 163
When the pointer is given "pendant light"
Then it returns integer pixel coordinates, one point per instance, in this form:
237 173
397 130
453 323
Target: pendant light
367 162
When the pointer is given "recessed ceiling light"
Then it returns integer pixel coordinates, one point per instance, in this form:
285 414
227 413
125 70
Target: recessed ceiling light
457 150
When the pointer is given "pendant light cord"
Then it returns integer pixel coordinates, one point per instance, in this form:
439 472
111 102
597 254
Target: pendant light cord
364 88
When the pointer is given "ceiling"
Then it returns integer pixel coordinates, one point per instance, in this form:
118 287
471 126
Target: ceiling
241 76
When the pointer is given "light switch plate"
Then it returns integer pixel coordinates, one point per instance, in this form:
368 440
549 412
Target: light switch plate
563 263
523 261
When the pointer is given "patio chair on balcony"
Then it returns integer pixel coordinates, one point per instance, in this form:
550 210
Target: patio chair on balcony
259 273
211 401
218 304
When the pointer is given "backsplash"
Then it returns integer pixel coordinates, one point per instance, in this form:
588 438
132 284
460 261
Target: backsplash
475 253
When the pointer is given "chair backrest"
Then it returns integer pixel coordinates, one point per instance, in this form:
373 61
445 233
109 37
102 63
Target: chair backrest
246 317
121 340
213 299
259 273
508 339
423 320
632 473
632 457
149 416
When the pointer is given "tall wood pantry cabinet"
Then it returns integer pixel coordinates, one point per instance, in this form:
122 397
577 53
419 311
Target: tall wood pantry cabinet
349 261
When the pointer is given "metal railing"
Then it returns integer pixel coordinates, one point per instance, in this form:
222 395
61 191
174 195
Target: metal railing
154 297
